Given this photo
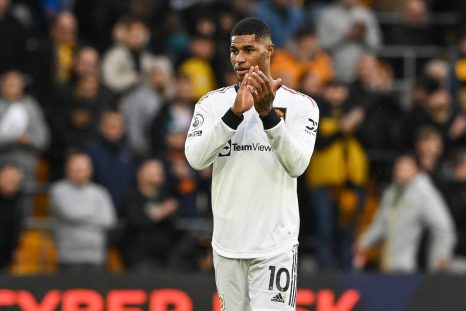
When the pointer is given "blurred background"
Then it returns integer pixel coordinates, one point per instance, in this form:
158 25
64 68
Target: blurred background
96 98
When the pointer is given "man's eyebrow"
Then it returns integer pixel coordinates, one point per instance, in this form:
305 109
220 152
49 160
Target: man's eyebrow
248 46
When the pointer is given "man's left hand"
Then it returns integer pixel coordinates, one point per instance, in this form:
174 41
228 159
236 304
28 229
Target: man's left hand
263 91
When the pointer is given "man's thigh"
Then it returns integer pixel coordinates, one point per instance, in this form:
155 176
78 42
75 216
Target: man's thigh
272 282
231 278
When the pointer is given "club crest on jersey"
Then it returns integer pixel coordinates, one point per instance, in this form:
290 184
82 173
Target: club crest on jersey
281 112
198 120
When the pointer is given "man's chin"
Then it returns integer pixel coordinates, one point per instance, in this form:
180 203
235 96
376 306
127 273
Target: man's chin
240 77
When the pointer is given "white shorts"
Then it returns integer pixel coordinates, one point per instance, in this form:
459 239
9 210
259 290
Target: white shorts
258 284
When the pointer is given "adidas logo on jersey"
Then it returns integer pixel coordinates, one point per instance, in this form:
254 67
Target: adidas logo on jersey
278 298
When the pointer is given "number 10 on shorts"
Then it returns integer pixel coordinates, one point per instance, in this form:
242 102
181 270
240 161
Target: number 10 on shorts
280 278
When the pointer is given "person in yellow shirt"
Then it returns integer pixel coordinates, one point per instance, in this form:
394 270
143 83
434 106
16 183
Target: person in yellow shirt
302 56
64 38
336 175
198 67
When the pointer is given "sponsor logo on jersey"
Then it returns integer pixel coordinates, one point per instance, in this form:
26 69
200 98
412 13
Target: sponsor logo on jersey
195 133
251 147
226 151
198 120
311 128
278 298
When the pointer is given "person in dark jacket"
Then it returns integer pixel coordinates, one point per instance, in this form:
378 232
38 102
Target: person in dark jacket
11 214
454 192
74 119
150 233
114 165
12 36
438 112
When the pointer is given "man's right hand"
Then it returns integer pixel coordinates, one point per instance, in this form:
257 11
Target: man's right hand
244 100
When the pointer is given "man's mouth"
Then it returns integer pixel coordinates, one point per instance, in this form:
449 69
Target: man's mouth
241 71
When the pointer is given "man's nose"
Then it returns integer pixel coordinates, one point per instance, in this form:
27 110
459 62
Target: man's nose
240 58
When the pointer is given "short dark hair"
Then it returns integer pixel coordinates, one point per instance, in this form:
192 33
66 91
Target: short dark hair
130 20
411 155
427 132
74 152
251 26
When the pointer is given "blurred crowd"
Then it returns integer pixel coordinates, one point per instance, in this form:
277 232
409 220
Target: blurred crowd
100 94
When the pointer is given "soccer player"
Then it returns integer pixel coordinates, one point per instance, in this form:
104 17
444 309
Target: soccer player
259 135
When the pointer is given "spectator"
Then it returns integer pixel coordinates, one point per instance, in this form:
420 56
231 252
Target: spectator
284 18
346 30
302 56
337 174
423 87
64 39
458 75
439 113
125 63
192 189
49 61
23 131
382 115
198 67
143 104
311 84
205 26
83 212
437 69
174 117
150 234
12 36
416 204
168 134
11 213
162 77
454 191
415 27
75 117
86 63
429 152
114 165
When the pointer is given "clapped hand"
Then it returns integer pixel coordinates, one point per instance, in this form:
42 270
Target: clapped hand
244 100
262 89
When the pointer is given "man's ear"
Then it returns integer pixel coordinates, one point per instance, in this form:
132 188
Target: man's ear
270 50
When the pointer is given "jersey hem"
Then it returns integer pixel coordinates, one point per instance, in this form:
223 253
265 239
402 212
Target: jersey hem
254 254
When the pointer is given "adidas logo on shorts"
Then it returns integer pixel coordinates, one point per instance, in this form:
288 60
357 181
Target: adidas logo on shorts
278 298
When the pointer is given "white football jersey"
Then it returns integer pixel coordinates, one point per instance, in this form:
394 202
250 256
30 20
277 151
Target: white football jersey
255 165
